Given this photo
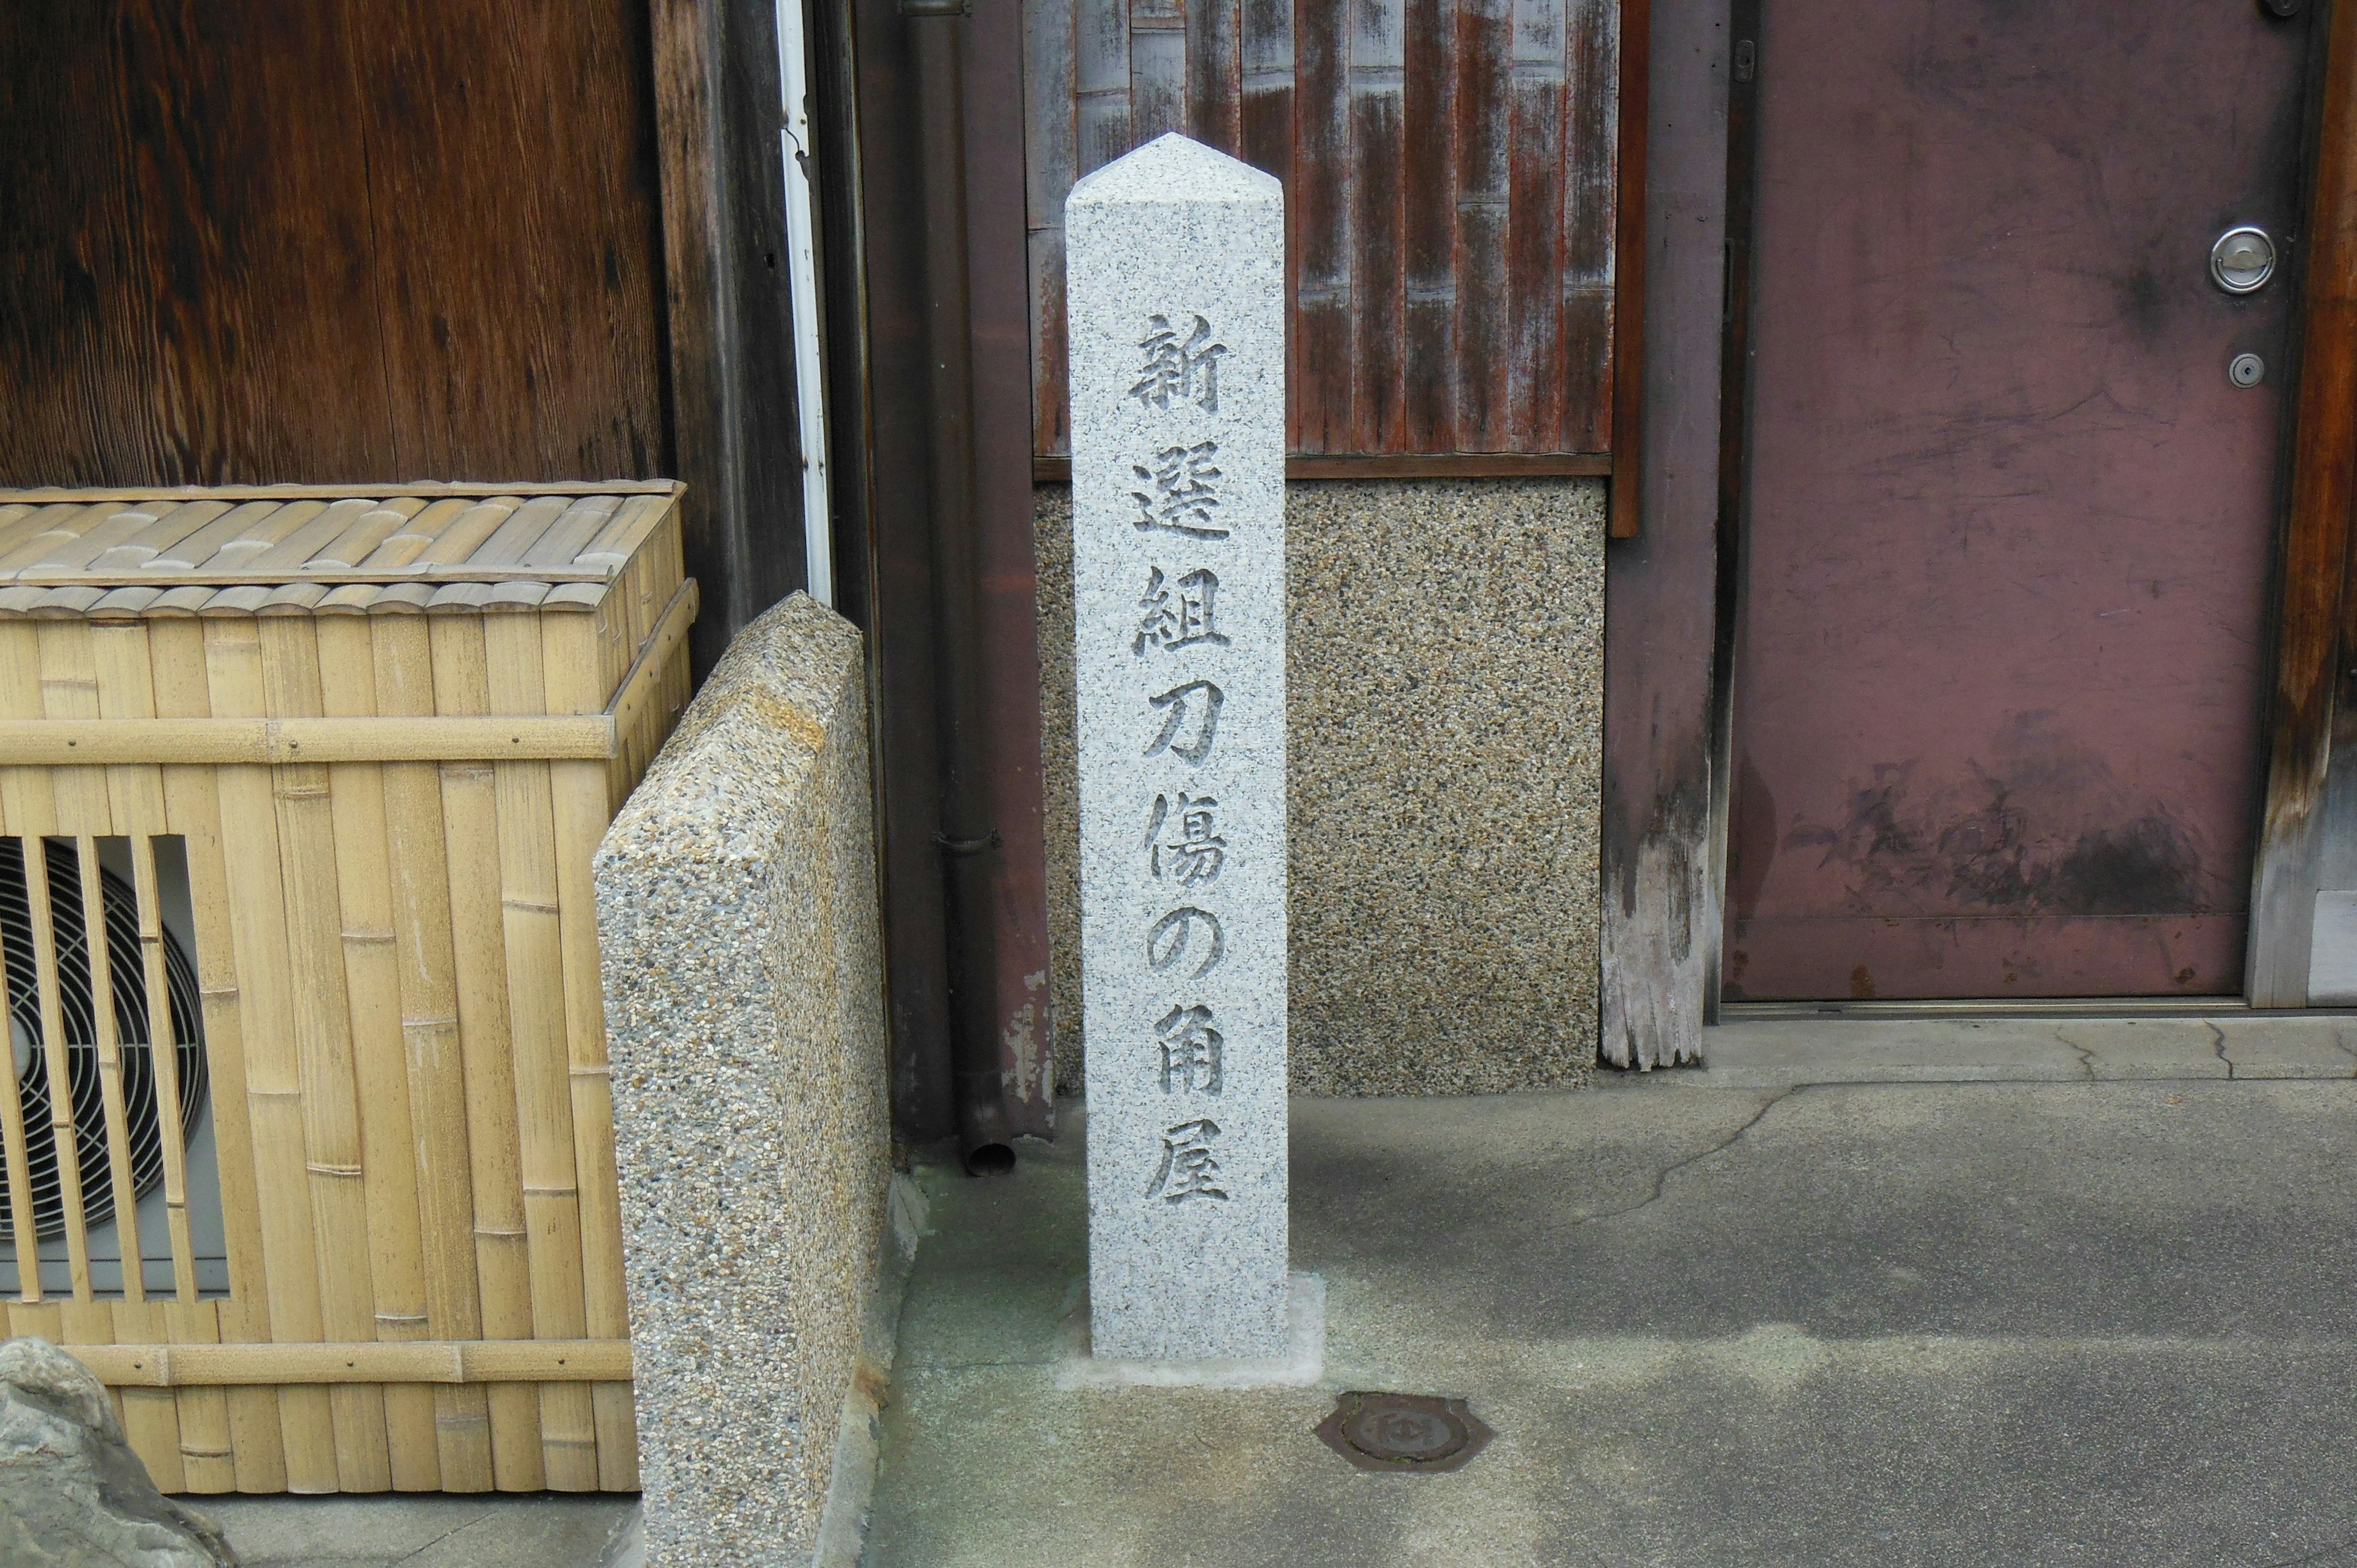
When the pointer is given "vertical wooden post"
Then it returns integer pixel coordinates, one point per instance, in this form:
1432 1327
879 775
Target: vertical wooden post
1660 901
2306 737
734 435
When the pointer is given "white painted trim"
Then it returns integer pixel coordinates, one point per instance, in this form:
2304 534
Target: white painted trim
801 283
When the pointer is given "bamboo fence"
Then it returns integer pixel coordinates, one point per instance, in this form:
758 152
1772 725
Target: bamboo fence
383 729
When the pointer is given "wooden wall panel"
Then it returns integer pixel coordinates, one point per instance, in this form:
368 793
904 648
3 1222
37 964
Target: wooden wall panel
1450 171
327 240
737 432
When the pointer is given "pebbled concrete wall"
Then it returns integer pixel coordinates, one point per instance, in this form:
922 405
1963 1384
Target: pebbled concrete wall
1445 670
737 934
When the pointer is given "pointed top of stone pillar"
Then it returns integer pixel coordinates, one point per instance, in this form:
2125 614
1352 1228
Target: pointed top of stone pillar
1173 168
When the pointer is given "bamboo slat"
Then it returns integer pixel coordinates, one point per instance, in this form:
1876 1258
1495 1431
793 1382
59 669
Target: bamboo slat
471 826
27 795
163 1052
259 523
92 1322
257 917
582 808
479 1362
208 1447
151 1417
323 1040
23 1227
53 1054
20 520
405 544
364 885
69 692
126 694
256 1445
98 957
178 521
403 670
55 528
80 538
536 976
59 744
48 496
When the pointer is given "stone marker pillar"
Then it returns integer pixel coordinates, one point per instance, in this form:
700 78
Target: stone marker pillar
1176 259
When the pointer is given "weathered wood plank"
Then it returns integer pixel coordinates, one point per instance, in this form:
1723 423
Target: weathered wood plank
1536 158
1634 74
1590 154
186 292
234 255
728 319
1157 68
1483 347
1264 60
1008 601
1215 73
1450 168
1378 226
1661 902
1427 150
1317 214
543 361
1052 157
1101 71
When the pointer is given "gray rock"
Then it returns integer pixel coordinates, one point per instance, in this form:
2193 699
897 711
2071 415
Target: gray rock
72 1495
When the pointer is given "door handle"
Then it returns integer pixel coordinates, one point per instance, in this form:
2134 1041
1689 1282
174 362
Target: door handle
2242 258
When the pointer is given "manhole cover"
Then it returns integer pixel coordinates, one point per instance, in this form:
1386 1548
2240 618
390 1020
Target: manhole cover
1418 1434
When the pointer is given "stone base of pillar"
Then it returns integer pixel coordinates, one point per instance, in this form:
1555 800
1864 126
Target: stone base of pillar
1302 1366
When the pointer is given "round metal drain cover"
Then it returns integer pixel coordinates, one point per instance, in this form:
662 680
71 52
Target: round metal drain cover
1418 1434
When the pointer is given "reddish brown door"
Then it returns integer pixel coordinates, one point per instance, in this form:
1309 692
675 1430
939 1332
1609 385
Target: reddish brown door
1997 673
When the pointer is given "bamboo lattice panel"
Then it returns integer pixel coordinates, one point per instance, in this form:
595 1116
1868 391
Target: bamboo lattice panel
383 733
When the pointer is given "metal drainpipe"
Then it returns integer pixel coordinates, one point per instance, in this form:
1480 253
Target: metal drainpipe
967 842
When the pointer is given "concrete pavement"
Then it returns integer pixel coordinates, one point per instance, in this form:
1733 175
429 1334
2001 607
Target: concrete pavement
534 1531
2069 1322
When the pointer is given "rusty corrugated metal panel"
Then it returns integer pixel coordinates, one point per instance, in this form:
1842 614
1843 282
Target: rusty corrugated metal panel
1449 168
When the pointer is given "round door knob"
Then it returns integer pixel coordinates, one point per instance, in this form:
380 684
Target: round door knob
2243 260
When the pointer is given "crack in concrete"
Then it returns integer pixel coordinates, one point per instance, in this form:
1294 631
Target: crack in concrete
2218 1046
1662 1177
462 1526
2086 1056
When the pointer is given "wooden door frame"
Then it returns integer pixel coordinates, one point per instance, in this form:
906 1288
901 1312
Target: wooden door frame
2311 722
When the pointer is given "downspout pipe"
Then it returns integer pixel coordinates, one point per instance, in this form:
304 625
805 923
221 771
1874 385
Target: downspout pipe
967 842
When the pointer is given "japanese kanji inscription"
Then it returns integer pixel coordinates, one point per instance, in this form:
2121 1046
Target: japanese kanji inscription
1176 306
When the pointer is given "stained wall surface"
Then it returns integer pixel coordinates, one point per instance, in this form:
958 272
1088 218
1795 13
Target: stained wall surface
1446 669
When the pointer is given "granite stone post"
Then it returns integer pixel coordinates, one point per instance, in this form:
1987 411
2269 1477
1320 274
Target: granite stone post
738 945
1177 310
